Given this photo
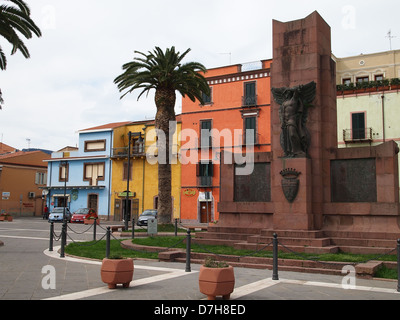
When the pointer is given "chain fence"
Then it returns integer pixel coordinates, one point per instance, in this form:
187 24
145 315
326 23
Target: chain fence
275 243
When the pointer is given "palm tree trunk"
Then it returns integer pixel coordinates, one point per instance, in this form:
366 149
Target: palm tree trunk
165 102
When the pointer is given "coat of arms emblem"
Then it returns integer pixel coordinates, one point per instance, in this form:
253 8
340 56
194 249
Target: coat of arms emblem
290 184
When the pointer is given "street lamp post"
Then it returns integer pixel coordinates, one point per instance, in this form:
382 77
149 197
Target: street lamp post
127 182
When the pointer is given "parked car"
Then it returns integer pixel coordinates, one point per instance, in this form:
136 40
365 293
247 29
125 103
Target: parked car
57 214
84 213
146 215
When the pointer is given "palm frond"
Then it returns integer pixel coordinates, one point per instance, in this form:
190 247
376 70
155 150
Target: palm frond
16 21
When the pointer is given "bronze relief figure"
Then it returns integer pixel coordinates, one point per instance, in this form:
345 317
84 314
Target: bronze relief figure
293 113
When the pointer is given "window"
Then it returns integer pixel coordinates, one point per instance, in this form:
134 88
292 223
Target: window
379 77
362 79
137 144
250 97
93 172
205 172
207 99
63 175
95 145
205 134
346 81
250 123
358 125
41 178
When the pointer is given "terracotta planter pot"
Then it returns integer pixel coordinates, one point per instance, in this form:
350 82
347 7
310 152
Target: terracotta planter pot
215 282
9 218
2 218
117 271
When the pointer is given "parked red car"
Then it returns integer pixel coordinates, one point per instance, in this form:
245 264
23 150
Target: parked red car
84 213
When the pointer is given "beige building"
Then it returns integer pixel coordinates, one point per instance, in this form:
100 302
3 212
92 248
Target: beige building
368 67
368 99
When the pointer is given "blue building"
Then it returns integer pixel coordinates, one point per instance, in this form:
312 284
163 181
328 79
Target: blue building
81 177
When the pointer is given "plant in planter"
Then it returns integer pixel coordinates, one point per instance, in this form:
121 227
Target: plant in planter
6 217
117 270
395 83
216 278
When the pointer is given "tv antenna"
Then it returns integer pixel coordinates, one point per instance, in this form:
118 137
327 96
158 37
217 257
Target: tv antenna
389 35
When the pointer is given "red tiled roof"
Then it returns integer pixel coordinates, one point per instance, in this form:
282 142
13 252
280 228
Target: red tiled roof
5 148
107 126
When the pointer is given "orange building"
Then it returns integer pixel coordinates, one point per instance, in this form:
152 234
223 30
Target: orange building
239 101
23 175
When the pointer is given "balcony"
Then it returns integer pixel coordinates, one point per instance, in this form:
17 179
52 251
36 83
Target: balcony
357 135
249 101
136 151
204 181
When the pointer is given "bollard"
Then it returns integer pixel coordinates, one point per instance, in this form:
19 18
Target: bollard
176 227
51 236
188 249
275 258
108 236
133 228
63 239
398 265
94 229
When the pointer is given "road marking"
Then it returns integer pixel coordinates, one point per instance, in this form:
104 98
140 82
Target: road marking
339 286
20 237
252 287
266 283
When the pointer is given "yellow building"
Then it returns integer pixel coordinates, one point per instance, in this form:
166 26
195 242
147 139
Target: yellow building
143 182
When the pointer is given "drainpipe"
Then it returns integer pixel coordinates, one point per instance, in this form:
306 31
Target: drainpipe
383 117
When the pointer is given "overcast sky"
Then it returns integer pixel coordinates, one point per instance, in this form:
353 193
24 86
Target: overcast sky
67 84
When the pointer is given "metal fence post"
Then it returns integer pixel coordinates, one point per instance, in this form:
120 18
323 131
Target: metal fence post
275 258
188 249
176 227
108 236
398 265
63 239
94 229
133 228
51 236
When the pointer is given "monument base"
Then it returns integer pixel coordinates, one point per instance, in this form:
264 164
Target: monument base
291 195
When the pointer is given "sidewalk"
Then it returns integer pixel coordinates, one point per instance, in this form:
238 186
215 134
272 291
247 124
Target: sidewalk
25 255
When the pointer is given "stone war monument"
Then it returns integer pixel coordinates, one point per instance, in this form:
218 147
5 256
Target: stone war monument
322 197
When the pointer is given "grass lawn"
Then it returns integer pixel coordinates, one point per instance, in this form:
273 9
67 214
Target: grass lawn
97 250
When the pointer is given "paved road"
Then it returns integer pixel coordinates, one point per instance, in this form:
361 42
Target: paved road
26 263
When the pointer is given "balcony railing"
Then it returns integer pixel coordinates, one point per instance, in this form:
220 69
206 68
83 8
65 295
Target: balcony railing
136 151
357 135
249 101
204 181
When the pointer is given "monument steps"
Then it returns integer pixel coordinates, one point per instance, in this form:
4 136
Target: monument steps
307 266
301 241
370 243
224 236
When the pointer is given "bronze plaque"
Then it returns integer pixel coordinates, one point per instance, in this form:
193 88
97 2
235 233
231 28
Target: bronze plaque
353 180
255 187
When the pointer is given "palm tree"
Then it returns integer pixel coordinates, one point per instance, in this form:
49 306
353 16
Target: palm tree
165 73
13 20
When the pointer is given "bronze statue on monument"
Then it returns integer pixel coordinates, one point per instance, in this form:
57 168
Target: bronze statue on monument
293 113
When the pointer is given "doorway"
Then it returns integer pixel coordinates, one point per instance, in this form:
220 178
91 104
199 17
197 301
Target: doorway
93 200
205 211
